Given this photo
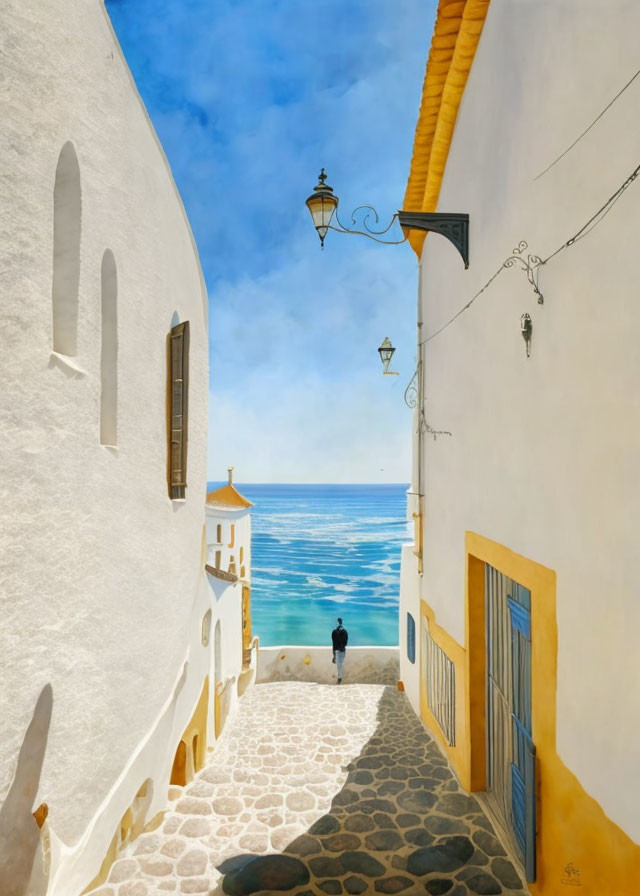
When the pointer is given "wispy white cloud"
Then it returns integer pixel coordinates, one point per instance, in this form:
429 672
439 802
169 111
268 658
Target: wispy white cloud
250 98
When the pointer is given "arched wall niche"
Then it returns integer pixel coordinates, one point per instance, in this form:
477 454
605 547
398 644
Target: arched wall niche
109 351
67 207
179 768
206 628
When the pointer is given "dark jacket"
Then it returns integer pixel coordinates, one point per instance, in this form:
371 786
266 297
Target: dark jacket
339 638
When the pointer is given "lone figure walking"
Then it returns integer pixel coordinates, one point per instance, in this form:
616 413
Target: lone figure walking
339 638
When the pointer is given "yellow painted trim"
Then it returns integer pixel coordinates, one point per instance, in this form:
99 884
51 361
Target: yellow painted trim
221 707
110 857
475 675
453 46
192 759
40 814
577 844
203 547
418 530
217 720
246 627
456 654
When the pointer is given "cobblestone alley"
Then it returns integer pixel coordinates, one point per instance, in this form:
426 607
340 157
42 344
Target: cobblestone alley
317 789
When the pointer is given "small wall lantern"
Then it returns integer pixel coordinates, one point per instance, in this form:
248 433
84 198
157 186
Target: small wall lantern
386 353
526 328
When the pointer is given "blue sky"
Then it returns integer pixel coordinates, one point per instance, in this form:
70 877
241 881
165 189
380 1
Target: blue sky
250 98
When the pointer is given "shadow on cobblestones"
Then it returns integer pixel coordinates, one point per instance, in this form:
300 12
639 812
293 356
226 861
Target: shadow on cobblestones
316 789
400 824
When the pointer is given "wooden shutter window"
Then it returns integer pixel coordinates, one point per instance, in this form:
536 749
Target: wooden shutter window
179 393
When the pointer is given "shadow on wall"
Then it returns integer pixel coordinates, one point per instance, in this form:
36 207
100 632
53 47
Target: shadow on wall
401 823
22 868
192 748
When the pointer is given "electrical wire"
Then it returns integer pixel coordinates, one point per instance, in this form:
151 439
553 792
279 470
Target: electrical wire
586 131
585 230
464 308
594 220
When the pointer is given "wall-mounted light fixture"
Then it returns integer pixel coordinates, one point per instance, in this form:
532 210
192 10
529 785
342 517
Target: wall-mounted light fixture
386 353
323 205
526 328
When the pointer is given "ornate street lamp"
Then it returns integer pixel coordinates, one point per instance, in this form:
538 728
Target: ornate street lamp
323 205
386 353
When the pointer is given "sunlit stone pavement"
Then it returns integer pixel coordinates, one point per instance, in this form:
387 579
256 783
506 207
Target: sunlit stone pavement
319 789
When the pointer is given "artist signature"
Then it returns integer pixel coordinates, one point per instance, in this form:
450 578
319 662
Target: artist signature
572 876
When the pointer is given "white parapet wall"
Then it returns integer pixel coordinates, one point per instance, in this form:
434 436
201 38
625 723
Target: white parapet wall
410 603
362 665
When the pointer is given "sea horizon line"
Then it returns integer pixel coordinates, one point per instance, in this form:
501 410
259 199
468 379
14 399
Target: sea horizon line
247 482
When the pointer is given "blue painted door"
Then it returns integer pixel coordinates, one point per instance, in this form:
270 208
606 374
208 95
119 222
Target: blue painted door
510 747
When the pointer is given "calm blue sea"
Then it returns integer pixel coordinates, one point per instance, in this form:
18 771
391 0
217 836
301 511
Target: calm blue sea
323 551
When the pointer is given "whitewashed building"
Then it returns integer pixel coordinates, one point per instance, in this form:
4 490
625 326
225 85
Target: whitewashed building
228 567
106 651
229 531
519 611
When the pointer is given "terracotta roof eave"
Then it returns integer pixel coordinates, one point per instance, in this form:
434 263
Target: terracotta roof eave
454 42
228 495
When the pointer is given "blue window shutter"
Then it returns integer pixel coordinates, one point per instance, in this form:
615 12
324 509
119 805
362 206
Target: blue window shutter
523 783
523 795
411 638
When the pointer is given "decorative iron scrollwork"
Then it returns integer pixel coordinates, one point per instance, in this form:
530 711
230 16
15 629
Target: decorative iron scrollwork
411 392
453 226
530 265
366 230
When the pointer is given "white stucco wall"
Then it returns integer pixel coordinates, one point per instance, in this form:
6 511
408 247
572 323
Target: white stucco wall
362 665
102 574
226 603
544 456
240 519
409 603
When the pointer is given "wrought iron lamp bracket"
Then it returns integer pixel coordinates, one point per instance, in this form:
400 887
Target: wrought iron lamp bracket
453 226
367 231
411 392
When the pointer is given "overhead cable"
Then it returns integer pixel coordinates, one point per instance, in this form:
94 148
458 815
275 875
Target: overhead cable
586 229
586 131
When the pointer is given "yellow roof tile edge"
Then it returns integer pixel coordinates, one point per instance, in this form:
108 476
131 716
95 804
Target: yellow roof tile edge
453 46
229 495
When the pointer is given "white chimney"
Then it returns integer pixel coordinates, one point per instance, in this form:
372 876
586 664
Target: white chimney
230 471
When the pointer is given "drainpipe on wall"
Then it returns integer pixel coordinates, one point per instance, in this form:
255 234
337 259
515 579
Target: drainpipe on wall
417 485
419 517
